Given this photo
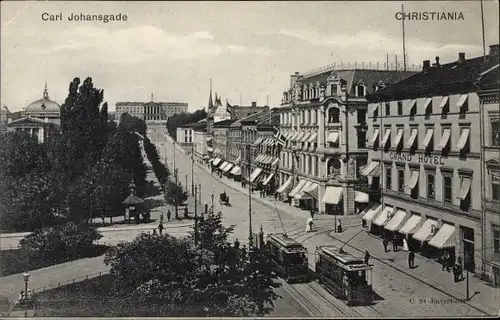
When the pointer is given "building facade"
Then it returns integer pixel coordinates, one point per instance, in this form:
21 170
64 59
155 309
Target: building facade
200 152
151 112
41 118
424 160
185 135
323 120
490 155
220 139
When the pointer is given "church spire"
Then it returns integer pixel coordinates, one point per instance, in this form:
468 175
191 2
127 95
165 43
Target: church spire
45 92
210 101
152 97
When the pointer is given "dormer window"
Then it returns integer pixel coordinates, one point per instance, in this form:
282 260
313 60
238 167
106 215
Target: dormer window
334 115
360 89
333 91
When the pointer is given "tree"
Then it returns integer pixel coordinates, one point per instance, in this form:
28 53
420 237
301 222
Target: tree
161 171
175 195
212 234
184 118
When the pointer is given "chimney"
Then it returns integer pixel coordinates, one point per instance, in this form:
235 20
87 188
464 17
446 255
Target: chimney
461 57
493 50
437 62
293 79
426 65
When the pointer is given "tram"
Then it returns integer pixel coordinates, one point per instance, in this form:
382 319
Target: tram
288 256
343 275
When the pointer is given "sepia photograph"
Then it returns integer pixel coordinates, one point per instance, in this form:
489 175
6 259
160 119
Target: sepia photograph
250 159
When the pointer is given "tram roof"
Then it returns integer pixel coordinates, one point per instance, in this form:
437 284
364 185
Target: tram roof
285 241
341 256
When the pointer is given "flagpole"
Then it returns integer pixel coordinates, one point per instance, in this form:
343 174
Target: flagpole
482 29
404 46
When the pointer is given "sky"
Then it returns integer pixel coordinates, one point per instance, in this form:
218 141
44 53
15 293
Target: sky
248 49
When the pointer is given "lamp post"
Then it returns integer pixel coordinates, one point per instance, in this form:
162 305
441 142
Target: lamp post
250 236
195 216
176 185
26 277
192 173
212 202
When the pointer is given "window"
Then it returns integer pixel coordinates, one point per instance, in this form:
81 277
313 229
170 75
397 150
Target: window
388 176
428 108
361 90
463 142
333 90
445 107
401 179
361 139
463 105
496 239
375 113
400 108
387 109
431 191
495 185
464 193
334 115
361 116
495 132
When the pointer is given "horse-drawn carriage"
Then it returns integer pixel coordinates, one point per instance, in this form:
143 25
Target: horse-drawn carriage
224 199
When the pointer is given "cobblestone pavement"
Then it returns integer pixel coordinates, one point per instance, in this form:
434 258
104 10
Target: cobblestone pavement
401 292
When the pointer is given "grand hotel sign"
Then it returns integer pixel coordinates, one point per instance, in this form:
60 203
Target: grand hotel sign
404 156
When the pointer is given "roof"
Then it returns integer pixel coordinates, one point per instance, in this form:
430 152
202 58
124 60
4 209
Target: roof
193 125
44 104
450 78
223 123
370 78
132 103
491 79
32 120
275 121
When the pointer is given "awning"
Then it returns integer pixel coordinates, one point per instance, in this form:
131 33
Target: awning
410 225
297 188
300 136
443 102
411 105
294 137
236 171
258 158
255 174
361 197
225 163
210 149
206 157
444 139
305 137
396 221
228 167
259 140
269 159
375 107
238 159
462 100
369 168
444 238
216 161
300 194
285 186
387 134
413 179
275 162
313 137
412 138
399 137
372 212
464 188
427 103
333 136
269 177
267 142
209 139
312 190
425 231
427 138
383 217
332 195
462 141
375 136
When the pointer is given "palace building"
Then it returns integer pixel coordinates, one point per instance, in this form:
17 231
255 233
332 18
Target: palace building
323 120
152 111
424 159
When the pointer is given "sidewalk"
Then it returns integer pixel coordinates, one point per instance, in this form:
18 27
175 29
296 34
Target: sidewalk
426 270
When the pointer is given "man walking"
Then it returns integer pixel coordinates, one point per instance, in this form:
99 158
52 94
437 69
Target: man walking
367 257
445 258
395 243
411 260
160 228
385 243
169 215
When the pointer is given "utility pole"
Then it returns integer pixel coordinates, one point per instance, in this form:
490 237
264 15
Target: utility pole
250 236
186 181
199 192
176 189
192 173
213 203
195 217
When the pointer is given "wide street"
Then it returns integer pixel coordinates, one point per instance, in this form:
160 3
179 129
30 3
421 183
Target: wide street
399 293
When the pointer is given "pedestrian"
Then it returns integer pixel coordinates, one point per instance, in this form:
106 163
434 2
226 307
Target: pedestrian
405 245
444 261
160 228
154 232
395 243
367 257
450 262
411 260
457 271
312 213
276 196
385 243
339 227
363 223
161 217
169 215
236 244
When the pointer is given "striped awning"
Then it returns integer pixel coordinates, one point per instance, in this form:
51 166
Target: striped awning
259 140
275 162
369 168
332 195
238 160
216 161
444 238
225 163
228 167
300 193
285 186
298 188
236 171
372 212
269 177
255 174
312 190
313 137
305 137
425 231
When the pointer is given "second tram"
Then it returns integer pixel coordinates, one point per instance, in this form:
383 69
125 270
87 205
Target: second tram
343 275
288 256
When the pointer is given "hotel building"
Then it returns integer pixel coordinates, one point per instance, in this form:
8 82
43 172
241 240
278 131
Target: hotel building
323 120
425 159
